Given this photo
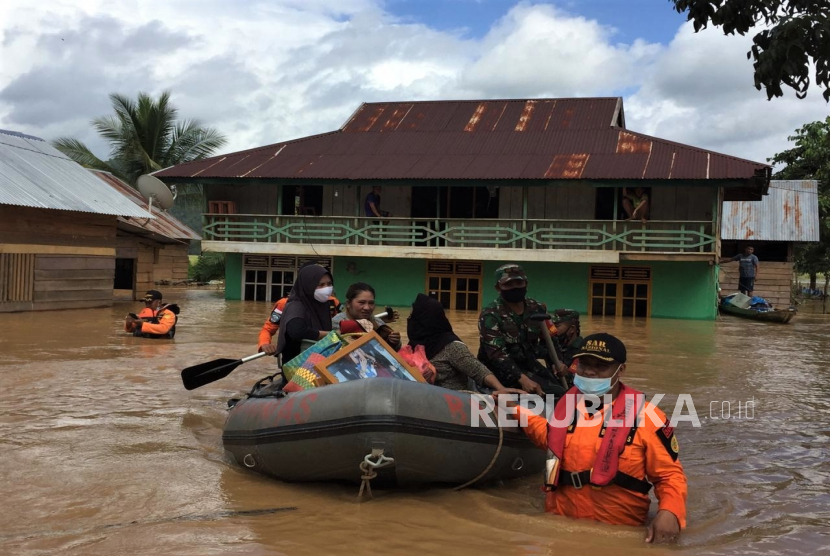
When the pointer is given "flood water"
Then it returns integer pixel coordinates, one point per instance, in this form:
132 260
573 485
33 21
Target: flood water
104 452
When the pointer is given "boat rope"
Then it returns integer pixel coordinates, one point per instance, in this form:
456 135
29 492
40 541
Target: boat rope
495 455
368 470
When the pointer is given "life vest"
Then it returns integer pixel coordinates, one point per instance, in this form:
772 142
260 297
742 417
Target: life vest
156 319
614 440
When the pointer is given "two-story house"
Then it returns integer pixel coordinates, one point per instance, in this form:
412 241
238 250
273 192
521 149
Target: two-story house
471 185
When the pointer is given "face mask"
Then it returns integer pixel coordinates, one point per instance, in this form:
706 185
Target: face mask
322 294
515 295
595 386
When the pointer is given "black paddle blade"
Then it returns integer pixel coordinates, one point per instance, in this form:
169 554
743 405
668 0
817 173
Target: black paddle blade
539 317
205 373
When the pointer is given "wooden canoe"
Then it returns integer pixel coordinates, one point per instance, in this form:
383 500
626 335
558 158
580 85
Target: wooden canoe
780 315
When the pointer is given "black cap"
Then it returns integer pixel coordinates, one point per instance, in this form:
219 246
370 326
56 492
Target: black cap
152 295
603 346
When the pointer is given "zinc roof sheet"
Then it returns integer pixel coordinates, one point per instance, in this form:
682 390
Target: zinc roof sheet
534 139
35 174
789 212
164 223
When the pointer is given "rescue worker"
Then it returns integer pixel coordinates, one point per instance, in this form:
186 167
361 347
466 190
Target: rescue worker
272 325
567 338
603 470
510 342
156 320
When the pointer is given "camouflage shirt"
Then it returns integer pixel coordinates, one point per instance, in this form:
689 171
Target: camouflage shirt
510 344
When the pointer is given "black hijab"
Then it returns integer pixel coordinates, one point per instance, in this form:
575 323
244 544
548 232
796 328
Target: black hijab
302 305
428 326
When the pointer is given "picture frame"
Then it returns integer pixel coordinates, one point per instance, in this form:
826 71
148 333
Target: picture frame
366 357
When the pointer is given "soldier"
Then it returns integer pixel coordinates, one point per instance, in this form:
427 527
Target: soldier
567 335
510 342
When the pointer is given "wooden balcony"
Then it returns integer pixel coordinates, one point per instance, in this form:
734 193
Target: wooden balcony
413 235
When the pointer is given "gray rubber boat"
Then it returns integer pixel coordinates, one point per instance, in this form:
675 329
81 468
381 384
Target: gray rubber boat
326 433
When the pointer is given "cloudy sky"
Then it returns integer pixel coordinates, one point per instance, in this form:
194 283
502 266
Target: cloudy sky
263 71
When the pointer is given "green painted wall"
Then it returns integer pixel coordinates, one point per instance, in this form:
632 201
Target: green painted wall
396 281
557 285
233 276
683 290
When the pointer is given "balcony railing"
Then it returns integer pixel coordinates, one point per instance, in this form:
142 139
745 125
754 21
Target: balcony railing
656 235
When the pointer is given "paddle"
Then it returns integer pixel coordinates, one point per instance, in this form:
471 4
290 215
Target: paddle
541 318
205 373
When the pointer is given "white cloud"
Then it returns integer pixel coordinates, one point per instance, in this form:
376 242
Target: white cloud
262 71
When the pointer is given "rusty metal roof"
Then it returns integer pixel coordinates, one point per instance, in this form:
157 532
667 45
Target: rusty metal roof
35 174
789 212
164 224
544 139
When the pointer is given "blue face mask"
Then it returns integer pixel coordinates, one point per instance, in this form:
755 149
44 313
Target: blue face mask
595 386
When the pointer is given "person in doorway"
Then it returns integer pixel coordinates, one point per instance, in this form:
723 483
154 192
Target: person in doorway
636 205
156 320
428 326
511 344
372 204
747 270
360 305
603 469
307 314
566 337
272 325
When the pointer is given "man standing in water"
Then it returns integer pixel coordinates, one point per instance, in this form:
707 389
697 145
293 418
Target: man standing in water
748 269
600 466
156 320
510 343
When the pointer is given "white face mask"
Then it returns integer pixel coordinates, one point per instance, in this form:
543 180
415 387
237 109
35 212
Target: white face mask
322 294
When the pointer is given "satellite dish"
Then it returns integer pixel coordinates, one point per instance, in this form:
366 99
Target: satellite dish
155 191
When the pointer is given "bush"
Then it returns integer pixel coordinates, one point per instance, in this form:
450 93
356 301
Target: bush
208 266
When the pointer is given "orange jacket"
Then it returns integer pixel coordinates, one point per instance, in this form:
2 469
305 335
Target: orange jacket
146 313
647 457
166 321
272 325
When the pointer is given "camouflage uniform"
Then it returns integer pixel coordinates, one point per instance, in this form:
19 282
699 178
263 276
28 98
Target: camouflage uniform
572 348
511 344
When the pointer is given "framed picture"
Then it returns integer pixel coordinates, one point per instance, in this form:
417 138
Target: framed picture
366 357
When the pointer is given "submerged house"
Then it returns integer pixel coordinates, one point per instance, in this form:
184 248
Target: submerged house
147 252
71 237
58 226
786 217
472 185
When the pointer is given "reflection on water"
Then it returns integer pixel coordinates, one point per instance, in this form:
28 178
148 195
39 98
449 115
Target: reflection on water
106 453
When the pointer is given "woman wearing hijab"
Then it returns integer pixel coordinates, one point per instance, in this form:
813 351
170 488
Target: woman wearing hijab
306 315
428 326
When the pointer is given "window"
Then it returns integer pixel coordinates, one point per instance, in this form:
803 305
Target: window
620 291
456 284
271 278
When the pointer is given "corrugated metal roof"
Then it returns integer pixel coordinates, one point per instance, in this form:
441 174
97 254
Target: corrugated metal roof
35 174
544 139
789 212
164 223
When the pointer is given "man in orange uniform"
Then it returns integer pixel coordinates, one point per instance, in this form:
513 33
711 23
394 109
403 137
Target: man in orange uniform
272 325
155 320
603 470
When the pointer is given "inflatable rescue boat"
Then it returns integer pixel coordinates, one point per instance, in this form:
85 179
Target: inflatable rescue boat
409 433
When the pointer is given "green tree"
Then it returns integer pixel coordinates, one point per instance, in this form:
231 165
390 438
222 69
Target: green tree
810 159
144 136
796 34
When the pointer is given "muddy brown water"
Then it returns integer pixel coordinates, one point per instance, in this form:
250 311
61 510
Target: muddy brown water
104 452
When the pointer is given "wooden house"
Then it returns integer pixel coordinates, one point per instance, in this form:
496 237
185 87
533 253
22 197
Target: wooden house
471 185
775 226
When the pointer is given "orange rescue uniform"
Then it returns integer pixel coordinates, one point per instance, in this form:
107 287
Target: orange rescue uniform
146 313
166 321
272 325
648 457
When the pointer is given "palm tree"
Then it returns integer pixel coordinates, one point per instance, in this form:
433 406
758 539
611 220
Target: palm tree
144 136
